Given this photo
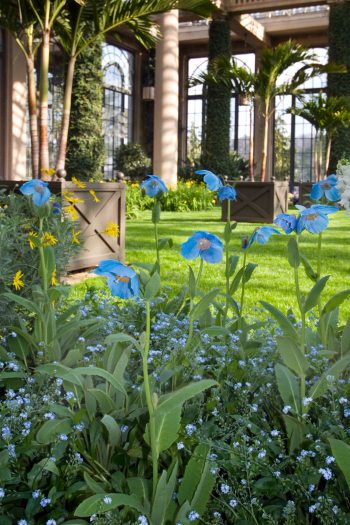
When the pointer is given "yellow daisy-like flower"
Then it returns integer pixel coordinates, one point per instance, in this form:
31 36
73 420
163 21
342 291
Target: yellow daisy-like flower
33 240
72 212
48 171
135 185
17 281
78 183
94 196
112 229
75 237
73 200
48 239
54 278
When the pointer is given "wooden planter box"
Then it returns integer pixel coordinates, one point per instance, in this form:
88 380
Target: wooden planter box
258 201
304 193
93 217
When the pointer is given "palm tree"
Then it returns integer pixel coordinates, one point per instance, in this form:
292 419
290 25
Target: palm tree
65 22
327 114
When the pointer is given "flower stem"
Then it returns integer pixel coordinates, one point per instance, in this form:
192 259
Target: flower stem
44 277
227 242
319 260
191 320
243 289
150 405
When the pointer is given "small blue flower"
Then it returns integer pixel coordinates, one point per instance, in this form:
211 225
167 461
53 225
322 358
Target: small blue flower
327 188
287 222
38 189
56 208
204 245
262 235
122 280
153 185
227 193
314 219
211 180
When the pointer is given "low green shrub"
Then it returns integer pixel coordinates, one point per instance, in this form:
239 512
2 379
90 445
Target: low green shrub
132 161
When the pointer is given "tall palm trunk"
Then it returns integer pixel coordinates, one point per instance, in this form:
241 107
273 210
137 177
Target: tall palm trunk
251 142
328 154
67 102
33 115
316 163
265 141
43 96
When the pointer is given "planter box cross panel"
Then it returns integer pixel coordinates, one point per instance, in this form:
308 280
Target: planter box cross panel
258 201
93 217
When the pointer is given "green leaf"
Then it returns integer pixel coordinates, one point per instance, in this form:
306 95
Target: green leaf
99 372
232 264
236 281
215 331
28 305
308 268
191 283
248 271
113 429
227 232
293 253
199 309
288 386
164 494
50 429
282 320
169 402
95 487
50 261
95 504
292 356
335 301
140 487
345 339
322 385
121 338
152 287
167 428
315 292
296 431
341 452
164 242
104 400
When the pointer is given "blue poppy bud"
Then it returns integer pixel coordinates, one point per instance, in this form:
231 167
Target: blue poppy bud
211 180
227 193
262 235
153 186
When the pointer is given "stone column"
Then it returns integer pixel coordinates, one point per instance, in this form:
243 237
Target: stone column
166 100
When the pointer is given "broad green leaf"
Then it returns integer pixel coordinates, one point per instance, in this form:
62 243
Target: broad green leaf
169 402
28 305
167 428
199 309
296 431
99 372
50 429
152 287
288 386
315 292
292 356
335 301
113 429
248 271
164 242
322 385
341 452
45 464
232 264
236 281
104 400
345 339
293 253
216 331
50 261
95 487
164 494
140 487
121 338
282 320
95 504
308 268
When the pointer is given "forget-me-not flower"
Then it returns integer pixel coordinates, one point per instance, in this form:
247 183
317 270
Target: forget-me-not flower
38 189
211 180
227 193
327 188
286 221
122 280
314 219
204 245
153 185
262 235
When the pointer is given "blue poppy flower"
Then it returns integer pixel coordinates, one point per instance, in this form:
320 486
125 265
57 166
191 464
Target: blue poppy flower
287 222
38 189
204 245
122 280
153 185
327 188
56 208
262 235
227 193
314 219
211 180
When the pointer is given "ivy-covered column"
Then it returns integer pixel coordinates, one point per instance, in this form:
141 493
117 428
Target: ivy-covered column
339 84
85 141
216 143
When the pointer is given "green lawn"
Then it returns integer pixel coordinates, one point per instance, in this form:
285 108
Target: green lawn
272 281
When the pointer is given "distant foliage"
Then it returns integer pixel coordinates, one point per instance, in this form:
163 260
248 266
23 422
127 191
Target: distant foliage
132 161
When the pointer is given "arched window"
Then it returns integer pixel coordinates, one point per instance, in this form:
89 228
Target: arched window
118 74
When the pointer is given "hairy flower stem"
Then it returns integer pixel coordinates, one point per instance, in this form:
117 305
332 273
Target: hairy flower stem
303 325
242 290
149 401
191 320
227 260
157 247
44 277
319 305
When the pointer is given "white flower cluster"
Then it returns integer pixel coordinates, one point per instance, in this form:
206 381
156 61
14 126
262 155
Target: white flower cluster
343 185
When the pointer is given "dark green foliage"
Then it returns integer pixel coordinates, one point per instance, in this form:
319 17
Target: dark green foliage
216 145
339 84
132 161
85 141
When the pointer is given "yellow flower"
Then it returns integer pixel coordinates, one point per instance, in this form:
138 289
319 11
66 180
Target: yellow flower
17 282
112 229
134 185
72 212
54 278
94 196
75 237
48 171
48 239
78 183
32 239
73 200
